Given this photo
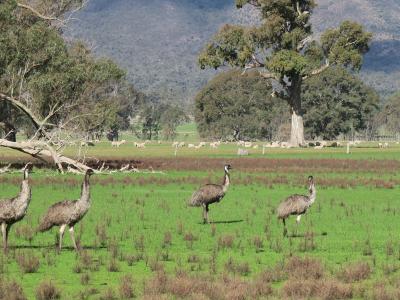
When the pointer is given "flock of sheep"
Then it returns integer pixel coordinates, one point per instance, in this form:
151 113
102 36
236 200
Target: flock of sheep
250 145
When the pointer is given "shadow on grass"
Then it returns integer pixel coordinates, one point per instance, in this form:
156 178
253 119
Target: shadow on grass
20 247
225 222
302 235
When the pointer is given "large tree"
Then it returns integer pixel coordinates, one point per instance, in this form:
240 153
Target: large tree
236 107
54 89
337 102
282 48
390 115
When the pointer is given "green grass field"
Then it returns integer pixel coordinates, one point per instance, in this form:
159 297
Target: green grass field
139 225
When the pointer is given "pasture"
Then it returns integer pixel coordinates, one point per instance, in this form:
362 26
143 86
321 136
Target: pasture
139 232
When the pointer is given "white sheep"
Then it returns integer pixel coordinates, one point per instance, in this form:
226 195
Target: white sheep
117 144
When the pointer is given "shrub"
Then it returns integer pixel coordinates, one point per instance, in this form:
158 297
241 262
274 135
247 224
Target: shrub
225 241
322 289
28 262
126 287
355 272
11 291
47 291
304 268
113 266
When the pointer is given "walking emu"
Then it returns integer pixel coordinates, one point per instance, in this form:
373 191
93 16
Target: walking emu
210 193
69 212
14 209
297 204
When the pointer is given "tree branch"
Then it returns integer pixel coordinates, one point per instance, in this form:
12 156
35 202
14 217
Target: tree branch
303 42
35 121
319 70
44 152
38 14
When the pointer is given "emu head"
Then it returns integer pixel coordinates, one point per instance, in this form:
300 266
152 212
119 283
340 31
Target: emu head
27 169
310 183
227 168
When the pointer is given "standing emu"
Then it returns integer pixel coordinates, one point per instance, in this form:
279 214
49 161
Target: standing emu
14 209
297 204
69 212
210 193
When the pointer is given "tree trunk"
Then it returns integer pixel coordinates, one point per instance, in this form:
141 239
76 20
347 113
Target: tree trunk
297 128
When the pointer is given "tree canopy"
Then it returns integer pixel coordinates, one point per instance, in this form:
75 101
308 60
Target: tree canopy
236 107
337 102
44 78
390 114
283 50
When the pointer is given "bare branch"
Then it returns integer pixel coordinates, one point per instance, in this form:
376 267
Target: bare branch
303 43
299 9
38 124
38 14
44 152
319 70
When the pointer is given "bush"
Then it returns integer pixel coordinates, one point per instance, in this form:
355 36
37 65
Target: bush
355 272
304 268
126 287
47 291
28 262
11 291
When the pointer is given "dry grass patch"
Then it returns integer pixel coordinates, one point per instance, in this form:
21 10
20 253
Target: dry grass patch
355 272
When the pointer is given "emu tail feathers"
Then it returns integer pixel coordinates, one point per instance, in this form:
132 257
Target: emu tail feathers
194 200
45 225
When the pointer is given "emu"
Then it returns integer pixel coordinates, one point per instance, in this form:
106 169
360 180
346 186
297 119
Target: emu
14 209
68 213
297 204
210 193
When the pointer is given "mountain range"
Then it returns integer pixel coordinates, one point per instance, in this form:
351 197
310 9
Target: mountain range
157 41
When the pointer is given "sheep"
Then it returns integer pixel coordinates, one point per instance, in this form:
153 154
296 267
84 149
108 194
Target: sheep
191 145
319 147
214 145
275 144
242 152
175 144
255 147
248 144
140 145
117 144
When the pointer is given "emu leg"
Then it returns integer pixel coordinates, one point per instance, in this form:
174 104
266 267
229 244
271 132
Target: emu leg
284 227
4 233
204 214
208 222
72 233
298 219
7 231
62 229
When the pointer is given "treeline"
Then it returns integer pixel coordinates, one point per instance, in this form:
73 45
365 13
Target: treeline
336 103
48 84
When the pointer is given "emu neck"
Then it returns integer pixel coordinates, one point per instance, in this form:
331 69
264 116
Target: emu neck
25 192
85 191
313 194
227 181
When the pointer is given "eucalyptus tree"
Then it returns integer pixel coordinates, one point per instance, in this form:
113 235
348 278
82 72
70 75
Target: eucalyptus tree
58 89
281 46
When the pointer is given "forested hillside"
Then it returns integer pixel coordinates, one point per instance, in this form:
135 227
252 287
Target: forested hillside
158 41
